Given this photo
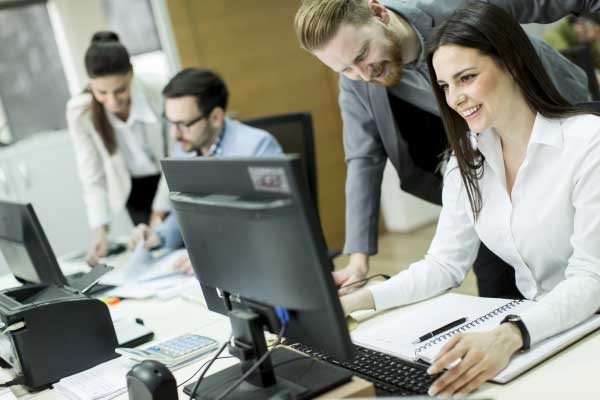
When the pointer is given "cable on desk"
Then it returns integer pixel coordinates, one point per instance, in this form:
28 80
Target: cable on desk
212 360
19 380
254 367
384 276
202 366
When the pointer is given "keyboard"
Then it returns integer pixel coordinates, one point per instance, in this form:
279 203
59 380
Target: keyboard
391 376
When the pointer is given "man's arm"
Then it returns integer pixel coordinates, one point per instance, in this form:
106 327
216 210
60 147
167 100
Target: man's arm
569 79
170 233
365 159
546 11
524 11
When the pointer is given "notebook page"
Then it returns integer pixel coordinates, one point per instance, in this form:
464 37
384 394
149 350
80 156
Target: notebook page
488 318
396 334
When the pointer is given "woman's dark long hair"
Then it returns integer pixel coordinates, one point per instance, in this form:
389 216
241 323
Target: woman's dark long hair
496 34
105 56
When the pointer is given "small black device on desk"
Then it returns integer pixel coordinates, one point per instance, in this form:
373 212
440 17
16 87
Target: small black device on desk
52 327
53 331
151 380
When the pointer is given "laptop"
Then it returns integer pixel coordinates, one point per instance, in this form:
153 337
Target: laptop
29 256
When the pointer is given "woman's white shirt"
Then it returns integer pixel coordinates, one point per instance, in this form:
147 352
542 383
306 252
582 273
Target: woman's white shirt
549 232
106 178
131 135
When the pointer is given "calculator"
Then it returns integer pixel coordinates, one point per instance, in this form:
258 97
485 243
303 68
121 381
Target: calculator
171 352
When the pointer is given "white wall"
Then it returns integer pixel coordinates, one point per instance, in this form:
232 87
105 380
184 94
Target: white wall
74 23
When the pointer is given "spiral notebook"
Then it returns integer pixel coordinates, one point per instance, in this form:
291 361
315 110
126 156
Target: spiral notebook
395 334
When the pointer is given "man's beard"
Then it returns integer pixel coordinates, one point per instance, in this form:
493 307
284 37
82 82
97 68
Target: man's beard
394 65
206 139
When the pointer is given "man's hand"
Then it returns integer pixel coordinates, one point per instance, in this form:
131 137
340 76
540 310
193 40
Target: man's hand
157 218
145 233
482 355
184 264
356 270
99 246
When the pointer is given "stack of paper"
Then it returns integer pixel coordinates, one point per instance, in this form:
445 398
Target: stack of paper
143 265
149 274
105 381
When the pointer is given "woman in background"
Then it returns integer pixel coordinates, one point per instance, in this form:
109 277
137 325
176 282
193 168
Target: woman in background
524 179
118 137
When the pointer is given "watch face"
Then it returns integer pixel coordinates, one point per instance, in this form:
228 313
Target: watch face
512 318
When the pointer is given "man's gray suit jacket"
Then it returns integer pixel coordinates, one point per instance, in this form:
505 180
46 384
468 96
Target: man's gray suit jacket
370 133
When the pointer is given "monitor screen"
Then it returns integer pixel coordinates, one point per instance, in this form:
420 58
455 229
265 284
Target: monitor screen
251 230
25 247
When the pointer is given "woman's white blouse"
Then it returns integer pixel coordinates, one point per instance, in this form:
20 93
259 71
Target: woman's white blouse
131 135
549 232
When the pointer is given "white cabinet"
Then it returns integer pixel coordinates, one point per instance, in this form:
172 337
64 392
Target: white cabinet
401 211
42 170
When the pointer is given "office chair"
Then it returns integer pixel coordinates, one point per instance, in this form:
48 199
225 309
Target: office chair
294 132
582 56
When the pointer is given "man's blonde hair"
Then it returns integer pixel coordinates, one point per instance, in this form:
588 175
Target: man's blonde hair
317 21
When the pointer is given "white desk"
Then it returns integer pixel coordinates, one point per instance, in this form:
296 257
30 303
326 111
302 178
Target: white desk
171 318
572 373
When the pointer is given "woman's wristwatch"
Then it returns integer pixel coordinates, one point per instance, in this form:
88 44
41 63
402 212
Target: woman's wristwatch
516 320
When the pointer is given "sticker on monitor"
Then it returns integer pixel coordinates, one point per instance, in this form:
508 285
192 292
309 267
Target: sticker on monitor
267 179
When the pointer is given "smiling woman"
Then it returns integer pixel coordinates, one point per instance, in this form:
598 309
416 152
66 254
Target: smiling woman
118 138
519 149
468 57
491 84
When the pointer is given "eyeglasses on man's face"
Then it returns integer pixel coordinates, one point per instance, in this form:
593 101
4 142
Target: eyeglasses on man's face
183 125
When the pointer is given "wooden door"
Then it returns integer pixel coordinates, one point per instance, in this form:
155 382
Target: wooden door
252 44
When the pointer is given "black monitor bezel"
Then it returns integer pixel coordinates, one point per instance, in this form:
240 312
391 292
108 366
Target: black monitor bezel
21 225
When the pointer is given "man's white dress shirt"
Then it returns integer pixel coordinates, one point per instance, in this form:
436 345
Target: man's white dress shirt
548 230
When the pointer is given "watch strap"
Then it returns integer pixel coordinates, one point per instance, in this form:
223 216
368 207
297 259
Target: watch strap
516 320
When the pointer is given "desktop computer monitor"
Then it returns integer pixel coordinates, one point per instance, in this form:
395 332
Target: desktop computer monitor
29 256
25 246
255 244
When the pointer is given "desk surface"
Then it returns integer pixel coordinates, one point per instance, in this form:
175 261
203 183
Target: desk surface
572 372
172 318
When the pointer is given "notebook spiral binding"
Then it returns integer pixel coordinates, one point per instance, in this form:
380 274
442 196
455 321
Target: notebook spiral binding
468 325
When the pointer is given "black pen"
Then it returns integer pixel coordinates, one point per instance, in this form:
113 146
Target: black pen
440 330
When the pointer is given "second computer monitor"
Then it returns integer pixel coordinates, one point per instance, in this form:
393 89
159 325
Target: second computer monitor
25 246
251 230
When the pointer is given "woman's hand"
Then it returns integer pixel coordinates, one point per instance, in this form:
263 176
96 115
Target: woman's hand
482 354
99 246
359 300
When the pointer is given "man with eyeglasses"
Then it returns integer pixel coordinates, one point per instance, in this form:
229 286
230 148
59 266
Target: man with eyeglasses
195 104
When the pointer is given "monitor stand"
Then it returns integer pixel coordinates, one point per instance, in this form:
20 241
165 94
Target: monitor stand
285 372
